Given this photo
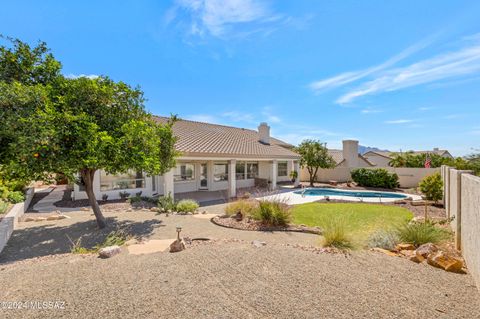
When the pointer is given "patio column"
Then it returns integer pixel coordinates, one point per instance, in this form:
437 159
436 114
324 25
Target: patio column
296 168
168 184
232 178
273 174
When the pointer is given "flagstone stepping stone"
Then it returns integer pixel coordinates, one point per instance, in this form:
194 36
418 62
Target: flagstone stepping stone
204 216
150 246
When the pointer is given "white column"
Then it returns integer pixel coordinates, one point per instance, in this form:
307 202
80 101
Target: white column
168 184
232 178
273 174
296 168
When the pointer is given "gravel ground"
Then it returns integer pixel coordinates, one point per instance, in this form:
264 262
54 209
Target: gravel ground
225 279
236 280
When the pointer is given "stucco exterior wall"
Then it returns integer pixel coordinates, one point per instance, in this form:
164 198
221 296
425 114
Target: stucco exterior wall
408 177
470 224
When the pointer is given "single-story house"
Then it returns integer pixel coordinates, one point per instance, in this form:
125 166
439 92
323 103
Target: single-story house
382 158
213 157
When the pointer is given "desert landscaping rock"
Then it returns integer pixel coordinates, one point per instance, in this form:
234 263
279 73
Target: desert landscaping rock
110 251
425 250
400 247
177 246
258 243
446 262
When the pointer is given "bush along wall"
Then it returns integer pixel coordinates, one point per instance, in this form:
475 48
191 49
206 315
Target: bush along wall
377 177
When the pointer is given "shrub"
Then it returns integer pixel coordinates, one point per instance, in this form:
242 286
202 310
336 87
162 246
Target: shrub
377 177
335 234
421 233
383 239
432 187
117 237
187 206
166 203
246 207
124 195
273 213
3 207
135 199
15 197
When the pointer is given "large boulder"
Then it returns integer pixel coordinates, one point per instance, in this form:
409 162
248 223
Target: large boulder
109 251
177 245
445 261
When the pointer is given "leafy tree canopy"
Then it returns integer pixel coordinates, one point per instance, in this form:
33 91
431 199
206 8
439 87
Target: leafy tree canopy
74 126
314 156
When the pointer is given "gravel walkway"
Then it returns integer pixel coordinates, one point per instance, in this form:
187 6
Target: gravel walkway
225 279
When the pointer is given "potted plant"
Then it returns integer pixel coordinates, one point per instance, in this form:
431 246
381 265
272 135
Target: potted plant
293 176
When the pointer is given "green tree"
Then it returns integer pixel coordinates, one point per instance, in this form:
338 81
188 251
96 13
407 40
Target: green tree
432 187
75 126
314 156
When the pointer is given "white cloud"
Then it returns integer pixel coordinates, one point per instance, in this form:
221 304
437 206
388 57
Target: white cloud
236 116
218 17
348 77
425 108
401 121
463 62
76 76
269 115
370 111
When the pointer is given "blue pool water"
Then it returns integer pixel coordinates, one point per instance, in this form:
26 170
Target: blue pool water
352 193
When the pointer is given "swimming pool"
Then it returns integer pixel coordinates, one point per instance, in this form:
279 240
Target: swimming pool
349 193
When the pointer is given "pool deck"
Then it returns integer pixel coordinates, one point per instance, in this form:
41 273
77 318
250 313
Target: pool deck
291 198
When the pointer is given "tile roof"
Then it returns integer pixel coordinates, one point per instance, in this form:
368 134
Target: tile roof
205 139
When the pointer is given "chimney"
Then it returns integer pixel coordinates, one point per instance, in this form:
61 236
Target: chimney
350 153
264 133
435 149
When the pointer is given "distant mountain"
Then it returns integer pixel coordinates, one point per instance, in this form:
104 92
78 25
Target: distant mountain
363 149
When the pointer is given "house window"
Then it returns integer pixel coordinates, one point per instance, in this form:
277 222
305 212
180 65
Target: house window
252 170
220 172
184 172
129 180
240 170
282 169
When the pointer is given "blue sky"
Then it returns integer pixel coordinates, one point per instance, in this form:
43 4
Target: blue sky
392 74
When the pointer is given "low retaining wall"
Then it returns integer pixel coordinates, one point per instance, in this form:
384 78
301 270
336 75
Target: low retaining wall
462 204
407 177
10 222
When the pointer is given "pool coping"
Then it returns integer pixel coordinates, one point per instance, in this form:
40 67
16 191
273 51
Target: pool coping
291 198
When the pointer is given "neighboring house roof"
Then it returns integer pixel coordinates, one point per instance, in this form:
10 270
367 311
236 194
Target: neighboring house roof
211 140
390 154
337 156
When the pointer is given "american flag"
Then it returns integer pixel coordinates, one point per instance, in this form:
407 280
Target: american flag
428 161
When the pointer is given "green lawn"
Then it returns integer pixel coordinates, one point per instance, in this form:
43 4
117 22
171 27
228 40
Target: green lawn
360 219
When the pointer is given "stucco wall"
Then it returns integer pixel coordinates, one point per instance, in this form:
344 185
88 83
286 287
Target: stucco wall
470 224
10 221
408 177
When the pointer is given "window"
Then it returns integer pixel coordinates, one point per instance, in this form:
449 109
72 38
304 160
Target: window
129 180
282 169
252 170
184 172
240 170
220 172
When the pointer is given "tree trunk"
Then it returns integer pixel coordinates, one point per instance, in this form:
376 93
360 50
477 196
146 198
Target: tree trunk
88 175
